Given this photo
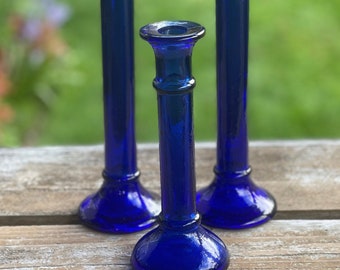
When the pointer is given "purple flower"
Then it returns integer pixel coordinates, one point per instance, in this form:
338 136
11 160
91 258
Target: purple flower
49 12
55 13
30 30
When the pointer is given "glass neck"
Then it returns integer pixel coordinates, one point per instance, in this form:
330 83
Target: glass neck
174 84
232 20
118 83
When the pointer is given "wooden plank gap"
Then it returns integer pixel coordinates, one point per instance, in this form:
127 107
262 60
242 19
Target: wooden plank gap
39 220
308 214
74 219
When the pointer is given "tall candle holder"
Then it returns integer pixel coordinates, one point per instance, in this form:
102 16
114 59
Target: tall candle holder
232 200
180 242
121 205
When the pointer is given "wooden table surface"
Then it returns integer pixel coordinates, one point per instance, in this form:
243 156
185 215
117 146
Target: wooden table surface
41 188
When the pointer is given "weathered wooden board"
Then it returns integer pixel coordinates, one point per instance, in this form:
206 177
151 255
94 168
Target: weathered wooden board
38 185
279 244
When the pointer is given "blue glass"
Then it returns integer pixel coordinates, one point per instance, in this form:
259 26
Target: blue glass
121 205
180 242
232 200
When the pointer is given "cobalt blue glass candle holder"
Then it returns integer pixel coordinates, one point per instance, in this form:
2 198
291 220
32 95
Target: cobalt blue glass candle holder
121 205
232 200
180 242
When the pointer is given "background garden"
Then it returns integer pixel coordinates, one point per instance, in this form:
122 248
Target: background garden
51 85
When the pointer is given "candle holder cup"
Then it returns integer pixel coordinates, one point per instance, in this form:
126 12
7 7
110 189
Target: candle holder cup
232 200
121 205
179 242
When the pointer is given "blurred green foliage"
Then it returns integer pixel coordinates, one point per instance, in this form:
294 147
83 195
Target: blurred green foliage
293 86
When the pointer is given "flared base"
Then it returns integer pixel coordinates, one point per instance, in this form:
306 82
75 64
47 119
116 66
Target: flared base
119 207
235 204
194 248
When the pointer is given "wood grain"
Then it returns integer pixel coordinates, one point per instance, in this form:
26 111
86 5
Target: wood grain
41 188
50 182
292 244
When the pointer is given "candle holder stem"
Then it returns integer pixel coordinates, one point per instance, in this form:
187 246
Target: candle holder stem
232 200
121 205
180 242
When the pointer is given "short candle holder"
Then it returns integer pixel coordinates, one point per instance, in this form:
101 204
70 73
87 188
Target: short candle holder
232 200
121 205
180 242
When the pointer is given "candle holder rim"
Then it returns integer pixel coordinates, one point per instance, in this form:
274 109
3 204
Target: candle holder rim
177 30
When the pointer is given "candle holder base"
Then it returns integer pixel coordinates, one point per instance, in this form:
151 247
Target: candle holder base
235 204
119 207
191 247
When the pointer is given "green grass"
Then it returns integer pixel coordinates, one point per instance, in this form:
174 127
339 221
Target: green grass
294 66
293 86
